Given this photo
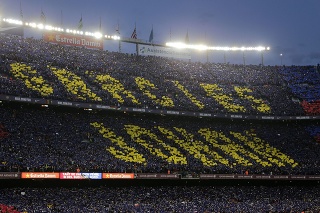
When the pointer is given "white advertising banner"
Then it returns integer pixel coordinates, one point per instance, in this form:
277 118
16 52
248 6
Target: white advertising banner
149 50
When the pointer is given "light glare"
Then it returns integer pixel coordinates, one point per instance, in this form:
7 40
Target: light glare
181 45
97 35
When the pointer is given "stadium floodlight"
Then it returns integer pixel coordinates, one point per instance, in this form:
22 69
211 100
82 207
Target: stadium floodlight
33 25
40 26
178 45
258 48
181 45
13 21
48 27
97 35
113 37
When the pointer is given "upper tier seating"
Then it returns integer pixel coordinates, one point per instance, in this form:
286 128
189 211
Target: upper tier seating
34 68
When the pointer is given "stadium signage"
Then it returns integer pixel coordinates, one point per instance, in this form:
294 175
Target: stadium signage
157 176
216 176
40 175
236 116
64 103
9 175
79 176
263 176
245 176
260 177
303 117
173 113
138 110
23 99
268 117
104 107
205 114
153 111
73 40
118 176
314 177
149 50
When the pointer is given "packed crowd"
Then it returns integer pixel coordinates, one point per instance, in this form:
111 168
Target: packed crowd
304 82
165 199
314 131
38 139
58 139
34 68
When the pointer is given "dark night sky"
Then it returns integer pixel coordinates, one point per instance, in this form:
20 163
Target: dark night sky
290 27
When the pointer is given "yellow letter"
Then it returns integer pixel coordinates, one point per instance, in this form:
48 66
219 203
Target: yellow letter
189 95
197 149
31 78
139 134
125 153
145 86
257 104
213 90
115 88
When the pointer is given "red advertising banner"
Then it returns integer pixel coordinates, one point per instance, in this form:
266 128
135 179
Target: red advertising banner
73 40
118 176
40 175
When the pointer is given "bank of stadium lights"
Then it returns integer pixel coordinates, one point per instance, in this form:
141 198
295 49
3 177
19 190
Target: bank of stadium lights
204 47
41 26
78 32
48 27
114 37
13 21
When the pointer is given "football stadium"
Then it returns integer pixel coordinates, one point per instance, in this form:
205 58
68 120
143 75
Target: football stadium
86 129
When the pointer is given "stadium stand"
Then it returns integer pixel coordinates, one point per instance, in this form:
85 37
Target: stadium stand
304 83
164 199
34 68
60 139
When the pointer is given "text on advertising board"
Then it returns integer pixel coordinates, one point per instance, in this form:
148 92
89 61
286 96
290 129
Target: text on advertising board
118 175
73 40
